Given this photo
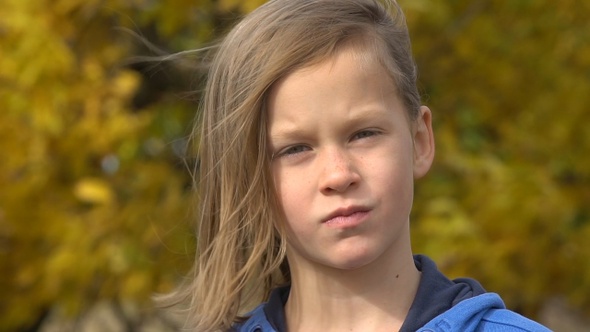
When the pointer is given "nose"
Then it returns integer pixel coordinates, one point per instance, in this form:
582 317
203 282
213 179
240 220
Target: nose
338 172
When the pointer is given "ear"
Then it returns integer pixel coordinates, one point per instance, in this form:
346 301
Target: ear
423 143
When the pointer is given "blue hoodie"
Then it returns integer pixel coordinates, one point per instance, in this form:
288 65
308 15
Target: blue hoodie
484 312
440 305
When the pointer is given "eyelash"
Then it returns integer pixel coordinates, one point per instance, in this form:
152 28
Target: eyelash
299 148
289 151
371 133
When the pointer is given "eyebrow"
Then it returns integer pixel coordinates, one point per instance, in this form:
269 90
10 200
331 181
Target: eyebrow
294 133
290 130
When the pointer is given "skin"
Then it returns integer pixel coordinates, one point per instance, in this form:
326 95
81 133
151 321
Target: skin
345 156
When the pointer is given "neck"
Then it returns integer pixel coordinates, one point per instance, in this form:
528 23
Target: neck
376 297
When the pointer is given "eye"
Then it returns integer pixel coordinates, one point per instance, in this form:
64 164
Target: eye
291 150
364 134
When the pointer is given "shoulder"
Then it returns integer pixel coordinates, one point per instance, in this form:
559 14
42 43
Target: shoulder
507 320
482 313
256 322
268 316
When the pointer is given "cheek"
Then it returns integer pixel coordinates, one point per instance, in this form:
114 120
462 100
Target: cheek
393 176
290 191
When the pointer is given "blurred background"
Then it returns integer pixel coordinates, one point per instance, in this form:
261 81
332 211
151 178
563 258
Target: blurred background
95 193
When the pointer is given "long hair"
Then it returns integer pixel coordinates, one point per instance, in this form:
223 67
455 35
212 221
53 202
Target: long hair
240 237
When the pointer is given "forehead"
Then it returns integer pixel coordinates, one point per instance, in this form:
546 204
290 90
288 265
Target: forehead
346 86
360 59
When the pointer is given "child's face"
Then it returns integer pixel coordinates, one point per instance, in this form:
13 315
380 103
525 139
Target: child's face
344 162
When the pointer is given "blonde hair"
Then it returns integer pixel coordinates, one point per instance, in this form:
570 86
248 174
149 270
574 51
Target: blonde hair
241 244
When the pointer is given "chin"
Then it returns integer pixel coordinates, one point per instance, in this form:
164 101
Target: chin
353 261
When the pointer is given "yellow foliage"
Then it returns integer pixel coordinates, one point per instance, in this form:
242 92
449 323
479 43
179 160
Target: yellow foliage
73 153
510 121
94 200
93 191
240 5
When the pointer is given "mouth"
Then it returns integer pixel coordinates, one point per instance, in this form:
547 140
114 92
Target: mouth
347 216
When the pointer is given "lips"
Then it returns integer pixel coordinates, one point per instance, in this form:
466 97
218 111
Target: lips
347 216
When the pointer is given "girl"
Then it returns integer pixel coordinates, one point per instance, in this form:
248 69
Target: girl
311 136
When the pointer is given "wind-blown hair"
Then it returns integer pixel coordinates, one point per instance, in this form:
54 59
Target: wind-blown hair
240 237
